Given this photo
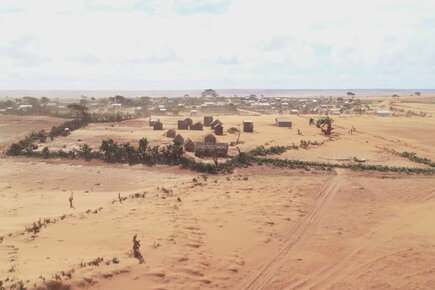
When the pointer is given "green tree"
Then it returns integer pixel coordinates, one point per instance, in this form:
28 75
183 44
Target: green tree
45 152
325 124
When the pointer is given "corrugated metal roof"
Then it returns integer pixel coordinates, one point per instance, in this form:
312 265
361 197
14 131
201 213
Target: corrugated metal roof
283 119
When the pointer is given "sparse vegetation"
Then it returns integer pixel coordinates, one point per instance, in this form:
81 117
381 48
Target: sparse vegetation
413 157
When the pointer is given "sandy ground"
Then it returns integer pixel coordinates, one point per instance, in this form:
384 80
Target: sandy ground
258 228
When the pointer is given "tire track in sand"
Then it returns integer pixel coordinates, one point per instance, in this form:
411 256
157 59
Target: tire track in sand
361 256
295 239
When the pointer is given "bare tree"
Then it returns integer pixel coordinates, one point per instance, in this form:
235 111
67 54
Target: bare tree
215 155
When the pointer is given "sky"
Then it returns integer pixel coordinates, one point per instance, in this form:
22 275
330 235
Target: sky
226 44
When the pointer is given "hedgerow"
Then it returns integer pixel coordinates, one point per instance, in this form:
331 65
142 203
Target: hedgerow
173 155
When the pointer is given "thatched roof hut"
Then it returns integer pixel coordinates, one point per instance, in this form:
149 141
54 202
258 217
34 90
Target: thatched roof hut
197 126
283 122
215 123
179 139
171 133
189 121
158 126
208 120
203 149
189 145
210 138
218 130
183 125
248 126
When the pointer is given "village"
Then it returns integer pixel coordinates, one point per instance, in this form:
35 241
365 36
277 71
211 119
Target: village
209 101
203 183
223 120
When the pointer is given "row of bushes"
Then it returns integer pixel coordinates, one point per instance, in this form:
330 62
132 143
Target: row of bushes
27 145
277 150
413 157
113 152
263 151
328 166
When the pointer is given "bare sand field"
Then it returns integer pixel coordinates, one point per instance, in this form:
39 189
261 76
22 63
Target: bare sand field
257 228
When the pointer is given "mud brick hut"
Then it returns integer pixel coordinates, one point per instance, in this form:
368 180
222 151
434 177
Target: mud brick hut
208 120
183 125
203 149
179 139
248 126
197 126
218 130
171 133
153 120
158 126
283 122
189 145
210 138
215 123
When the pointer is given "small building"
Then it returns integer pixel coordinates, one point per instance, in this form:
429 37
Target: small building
193 112
208 120
197 126
153 121
294 111
171 133
210 138
51 105
24 108
189 145
261 106
248 126
183 125
179 139
158 126
335 112
218 130
115 106
283 122
381 113
189 121
215 123
203 149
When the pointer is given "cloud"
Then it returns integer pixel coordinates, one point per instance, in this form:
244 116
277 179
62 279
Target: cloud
21 52
216 43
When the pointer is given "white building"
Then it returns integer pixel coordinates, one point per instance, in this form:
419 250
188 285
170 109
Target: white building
208 104
115 106
381 113
25 108
334 111
260 106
